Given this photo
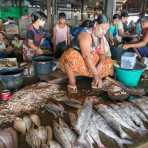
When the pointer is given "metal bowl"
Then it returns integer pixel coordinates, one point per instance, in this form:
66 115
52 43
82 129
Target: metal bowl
119 95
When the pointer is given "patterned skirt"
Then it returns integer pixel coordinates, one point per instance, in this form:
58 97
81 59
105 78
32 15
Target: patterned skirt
74 61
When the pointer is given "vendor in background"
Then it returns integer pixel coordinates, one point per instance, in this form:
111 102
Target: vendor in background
123 34
88 59
34 37
141 47
61 36
6 49
113 30
17 42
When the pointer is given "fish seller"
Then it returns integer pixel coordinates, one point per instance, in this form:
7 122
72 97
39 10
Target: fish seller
142 45
34 37
88 57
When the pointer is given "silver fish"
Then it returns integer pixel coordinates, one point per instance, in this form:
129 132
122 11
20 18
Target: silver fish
142 104
83 120
132 114
94 133
125 116
112 117
103 127
139 113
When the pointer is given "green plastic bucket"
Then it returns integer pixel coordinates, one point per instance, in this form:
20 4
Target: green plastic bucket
129 77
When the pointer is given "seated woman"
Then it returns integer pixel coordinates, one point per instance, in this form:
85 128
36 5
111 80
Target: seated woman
89 59
34 37
142 45
113 30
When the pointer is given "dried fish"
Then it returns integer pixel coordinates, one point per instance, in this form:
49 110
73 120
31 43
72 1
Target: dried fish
73 103
55 109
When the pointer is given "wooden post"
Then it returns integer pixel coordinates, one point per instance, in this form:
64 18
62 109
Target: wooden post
109 7
49 14
82 9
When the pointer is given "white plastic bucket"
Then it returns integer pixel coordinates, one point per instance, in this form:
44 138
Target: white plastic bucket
128 60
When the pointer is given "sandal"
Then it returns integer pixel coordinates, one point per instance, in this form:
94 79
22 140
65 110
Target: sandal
72 89
93 85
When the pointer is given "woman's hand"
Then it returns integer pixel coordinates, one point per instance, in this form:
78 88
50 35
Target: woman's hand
126 46
97 82
39 52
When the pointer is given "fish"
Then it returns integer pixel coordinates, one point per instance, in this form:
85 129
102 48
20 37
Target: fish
73 103
142 104
55 109
103 127
126 117
83 121
139 113
94 134
132 114
54 144
61 135
69 133
113 118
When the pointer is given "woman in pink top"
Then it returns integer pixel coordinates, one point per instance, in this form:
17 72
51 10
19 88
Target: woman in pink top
61 36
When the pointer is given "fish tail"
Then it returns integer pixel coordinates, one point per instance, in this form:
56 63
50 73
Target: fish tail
125 136
124 141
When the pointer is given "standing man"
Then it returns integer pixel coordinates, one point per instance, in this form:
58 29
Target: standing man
61 36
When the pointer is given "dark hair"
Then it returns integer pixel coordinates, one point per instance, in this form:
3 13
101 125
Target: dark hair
88 24
38 15
124 14
62 15
101 19
116 16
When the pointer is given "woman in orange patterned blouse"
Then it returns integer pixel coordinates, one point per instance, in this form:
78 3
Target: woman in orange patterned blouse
87 57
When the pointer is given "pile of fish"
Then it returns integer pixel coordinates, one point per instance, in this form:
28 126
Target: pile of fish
28 99
115 121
